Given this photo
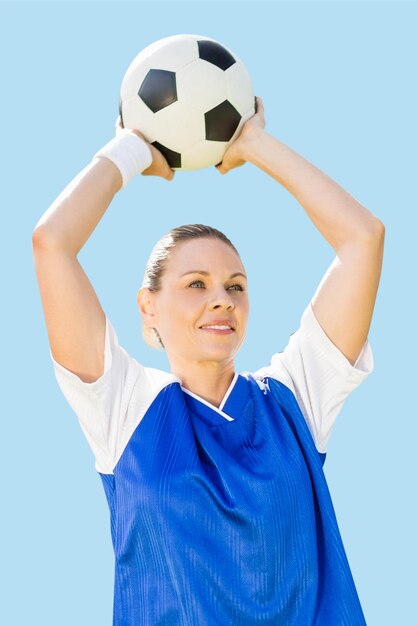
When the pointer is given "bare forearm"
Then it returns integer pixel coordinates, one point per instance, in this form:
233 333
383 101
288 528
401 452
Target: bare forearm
337 215
75 213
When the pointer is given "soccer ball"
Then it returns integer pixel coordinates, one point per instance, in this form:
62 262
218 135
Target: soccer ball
189 96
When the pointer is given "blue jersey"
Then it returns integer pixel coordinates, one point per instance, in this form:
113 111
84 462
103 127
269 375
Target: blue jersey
222 515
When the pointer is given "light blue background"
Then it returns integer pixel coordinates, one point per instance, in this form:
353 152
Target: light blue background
338 85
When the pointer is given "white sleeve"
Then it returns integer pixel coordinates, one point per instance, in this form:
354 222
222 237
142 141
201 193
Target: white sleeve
319 375
110 408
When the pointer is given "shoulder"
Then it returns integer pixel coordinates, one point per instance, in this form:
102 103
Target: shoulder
158 379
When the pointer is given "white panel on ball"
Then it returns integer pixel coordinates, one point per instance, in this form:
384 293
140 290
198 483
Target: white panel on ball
200 154
179 127
201 85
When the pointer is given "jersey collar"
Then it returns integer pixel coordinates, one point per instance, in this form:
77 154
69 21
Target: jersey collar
230 407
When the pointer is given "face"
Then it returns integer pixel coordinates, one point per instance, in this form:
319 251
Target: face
202 285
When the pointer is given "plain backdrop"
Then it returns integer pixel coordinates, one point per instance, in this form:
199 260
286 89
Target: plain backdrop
338 81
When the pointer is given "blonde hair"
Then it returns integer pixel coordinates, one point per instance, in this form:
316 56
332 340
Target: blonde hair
157 261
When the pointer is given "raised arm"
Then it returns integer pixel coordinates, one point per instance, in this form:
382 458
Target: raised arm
344 301
74 318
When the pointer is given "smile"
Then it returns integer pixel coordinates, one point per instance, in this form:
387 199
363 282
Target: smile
220 330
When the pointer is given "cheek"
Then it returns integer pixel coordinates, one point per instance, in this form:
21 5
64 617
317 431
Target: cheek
180 310
191 299
242 304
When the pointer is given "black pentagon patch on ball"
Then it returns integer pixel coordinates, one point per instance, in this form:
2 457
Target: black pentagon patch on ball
158 89
215 53
173 158
221 122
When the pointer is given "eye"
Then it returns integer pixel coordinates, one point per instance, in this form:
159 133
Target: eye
235 287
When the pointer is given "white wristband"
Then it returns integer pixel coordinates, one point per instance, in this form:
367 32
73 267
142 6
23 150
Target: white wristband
129 152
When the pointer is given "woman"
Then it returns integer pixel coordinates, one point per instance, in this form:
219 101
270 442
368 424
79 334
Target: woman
220 511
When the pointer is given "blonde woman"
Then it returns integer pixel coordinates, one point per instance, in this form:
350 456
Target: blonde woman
220 510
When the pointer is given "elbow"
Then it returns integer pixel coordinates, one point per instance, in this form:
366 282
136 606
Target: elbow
39 238
380 228
375 231
371 237
44 240
380 232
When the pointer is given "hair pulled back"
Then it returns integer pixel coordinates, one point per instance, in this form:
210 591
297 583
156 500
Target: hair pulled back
157 261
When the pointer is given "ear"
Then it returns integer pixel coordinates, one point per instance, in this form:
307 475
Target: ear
145 300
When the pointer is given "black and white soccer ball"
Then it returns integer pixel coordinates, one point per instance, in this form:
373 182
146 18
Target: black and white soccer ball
189 96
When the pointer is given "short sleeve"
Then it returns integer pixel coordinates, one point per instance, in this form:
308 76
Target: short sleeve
110 408
319 375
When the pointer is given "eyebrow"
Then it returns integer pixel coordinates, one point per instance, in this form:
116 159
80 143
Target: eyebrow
208 273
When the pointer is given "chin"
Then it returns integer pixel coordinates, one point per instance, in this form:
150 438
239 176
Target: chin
218 354
209 351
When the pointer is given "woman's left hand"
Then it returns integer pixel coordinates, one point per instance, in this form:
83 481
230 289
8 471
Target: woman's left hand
237 150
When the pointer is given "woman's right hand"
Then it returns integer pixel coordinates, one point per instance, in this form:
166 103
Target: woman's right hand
159 166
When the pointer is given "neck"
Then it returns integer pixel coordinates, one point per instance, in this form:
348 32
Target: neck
208 380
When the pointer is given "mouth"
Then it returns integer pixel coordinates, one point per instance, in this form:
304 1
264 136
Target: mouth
218 329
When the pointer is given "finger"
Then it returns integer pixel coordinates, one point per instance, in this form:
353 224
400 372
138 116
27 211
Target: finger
260 105
167 170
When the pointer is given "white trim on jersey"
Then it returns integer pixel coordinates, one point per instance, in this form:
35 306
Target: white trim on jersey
212 406
229 391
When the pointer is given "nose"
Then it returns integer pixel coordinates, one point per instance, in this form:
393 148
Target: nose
222 299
